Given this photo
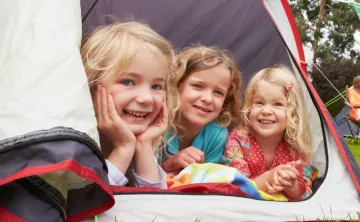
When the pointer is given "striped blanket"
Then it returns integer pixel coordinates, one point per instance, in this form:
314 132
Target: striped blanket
216 173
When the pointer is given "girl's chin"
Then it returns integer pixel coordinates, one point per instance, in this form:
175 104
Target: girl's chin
137 130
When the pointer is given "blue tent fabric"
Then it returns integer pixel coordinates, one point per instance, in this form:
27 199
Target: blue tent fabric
345 126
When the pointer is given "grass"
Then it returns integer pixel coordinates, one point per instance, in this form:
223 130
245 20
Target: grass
355 149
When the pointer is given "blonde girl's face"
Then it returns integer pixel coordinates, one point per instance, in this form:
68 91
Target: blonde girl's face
268 111
202 95
139 92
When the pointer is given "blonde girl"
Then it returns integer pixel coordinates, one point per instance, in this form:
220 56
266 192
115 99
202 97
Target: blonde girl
129 68
273 142
209 85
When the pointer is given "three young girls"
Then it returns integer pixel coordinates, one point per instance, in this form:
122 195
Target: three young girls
129 68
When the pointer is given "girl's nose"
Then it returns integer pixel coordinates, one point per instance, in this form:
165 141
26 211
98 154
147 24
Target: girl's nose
266 110
206 96
144 96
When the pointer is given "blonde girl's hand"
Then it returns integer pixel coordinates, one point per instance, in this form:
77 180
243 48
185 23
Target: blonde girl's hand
273 189
183 159
284 176
157 128
110 124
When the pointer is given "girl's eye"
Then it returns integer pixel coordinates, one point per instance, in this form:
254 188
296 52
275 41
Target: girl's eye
158 87
258 102
127 82
219 93
197 86
279 104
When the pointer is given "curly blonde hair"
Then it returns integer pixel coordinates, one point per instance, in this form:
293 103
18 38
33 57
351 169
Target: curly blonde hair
200 58
108 51
297 132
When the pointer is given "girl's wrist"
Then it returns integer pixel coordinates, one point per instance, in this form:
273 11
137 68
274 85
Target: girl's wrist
141 145
121 157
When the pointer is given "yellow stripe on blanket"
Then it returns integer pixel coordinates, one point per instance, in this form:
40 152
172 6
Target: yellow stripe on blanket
216 173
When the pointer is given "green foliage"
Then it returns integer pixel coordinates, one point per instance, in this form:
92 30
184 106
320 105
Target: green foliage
340 73
355 150
339 25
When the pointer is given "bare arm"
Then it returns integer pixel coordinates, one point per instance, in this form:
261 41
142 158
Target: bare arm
121 158
145 166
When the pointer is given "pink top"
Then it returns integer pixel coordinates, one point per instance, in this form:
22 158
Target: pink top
244 153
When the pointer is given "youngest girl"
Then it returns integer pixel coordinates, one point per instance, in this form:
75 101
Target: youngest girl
273 140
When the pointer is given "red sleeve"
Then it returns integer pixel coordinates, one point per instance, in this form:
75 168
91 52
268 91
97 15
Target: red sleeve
305 180
234 152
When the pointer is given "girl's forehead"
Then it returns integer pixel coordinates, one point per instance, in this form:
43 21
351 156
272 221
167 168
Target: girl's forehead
268 89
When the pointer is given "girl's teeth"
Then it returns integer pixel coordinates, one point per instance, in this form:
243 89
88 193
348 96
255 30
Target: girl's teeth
136 114
267 122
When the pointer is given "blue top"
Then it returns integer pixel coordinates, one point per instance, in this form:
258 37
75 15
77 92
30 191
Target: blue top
211 140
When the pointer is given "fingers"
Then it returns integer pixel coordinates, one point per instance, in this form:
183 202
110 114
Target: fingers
163 116
104 107
182 163
111 108
284 182
196 157
188 159
97 104
195 152
292 175
273 189
292 169
164 110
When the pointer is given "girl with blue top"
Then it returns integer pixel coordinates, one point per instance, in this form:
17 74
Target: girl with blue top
130 69
209 85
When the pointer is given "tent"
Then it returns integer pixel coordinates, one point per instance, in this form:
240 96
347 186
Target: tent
41 73
51 167
344 126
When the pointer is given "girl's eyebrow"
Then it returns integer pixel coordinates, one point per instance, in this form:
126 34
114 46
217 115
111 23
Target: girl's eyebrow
202 82
140 76
160 79
132 74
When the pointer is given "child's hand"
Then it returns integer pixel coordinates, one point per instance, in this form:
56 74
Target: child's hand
284 176
183 159
156 128
273 189
110 125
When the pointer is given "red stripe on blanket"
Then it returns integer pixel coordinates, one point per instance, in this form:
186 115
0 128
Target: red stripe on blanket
203 188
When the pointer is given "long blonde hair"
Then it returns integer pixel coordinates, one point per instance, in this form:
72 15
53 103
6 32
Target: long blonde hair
108 51
200 58
297 132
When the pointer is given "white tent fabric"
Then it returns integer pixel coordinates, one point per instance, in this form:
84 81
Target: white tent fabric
38 58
